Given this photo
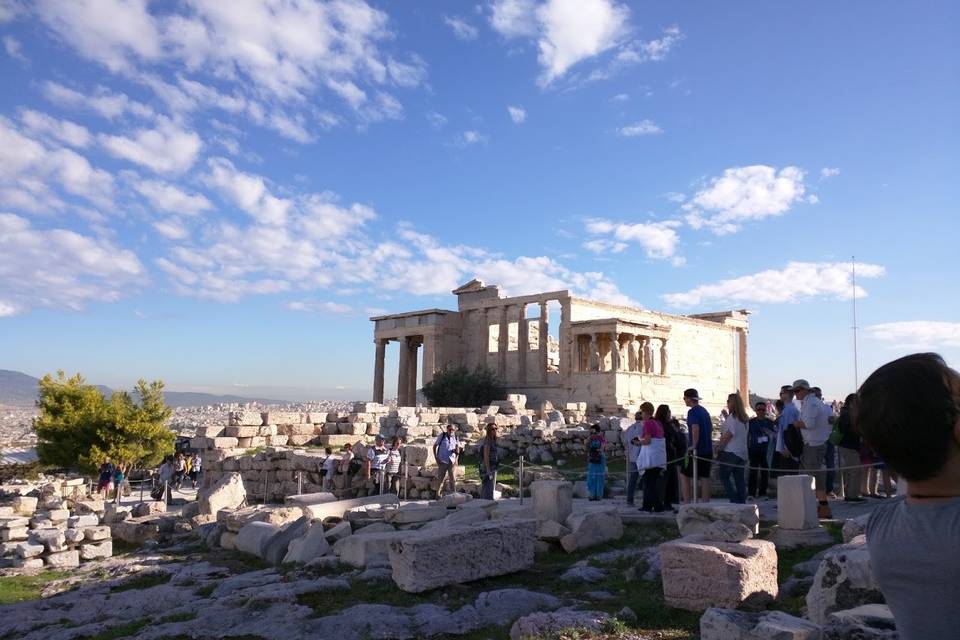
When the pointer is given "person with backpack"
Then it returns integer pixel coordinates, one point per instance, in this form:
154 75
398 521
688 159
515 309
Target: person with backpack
759 434
789 445
596 463
376 456
489 462
446 450
815 427
327 468
699 448
391 466
848 444
105 478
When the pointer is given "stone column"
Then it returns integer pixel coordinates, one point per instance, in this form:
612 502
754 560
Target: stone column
744 373
663 357
403 374
429 358
633 353
593 364
502 343
648 354
614 352
412 369
378 364
483 342
566 342
544 340
523 339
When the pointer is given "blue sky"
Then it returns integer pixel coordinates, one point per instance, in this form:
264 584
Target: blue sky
220 194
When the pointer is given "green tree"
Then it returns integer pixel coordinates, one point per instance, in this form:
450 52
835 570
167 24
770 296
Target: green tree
460 387
79 427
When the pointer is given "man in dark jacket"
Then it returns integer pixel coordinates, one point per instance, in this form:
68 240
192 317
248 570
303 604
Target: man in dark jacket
760 430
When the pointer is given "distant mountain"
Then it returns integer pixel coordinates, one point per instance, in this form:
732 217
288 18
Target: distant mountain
20 389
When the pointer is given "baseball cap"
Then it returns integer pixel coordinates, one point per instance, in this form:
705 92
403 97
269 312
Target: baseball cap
800 384
692 394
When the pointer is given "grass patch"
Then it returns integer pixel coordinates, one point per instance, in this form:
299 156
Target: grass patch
373 592
143 581
27 587
186 616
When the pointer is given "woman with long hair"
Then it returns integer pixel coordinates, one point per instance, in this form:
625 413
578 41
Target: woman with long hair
676 447
652 461
596 462
733 450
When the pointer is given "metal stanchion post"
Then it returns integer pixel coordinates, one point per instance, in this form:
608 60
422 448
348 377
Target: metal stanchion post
299 482
521 480
406 481
696 479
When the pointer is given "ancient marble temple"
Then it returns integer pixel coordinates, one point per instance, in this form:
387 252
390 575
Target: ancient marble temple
558 347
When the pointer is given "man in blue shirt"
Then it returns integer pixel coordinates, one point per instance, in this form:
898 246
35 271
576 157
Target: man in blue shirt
700 444
784 459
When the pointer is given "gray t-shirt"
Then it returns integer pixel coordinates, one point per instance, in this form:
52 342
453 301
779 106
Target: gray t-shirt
915 556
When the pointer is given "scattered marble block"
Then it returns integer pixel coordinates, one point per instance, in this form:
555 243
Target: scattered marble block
469 553
726 624
227 493
796 503
552 500
700 574
28 563
591 528
253 536
63 560
843 580
793 538
855 527
547 624
96 550
154 507
25 505
310 546
866 622
364 549
693 518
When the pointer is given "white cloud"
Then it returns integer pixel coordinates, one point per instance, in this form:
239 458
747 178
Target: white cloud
247 191
166 197
574 30
30 171
462 29
743 194
45 126
437 120
58 268
798 281
514 18
517 114
471 137
317 306
654 50
165 149
641 128
829 172
659 240
171 228
917 334
10 9
102 101
14 49
620 97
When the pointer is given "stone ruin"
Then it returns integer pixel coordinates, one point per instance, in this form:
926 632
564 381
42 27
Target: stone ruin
278 453
56 524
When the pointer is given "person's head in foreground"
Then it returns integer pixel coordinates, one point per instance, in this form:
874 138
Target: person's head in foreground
909 413
646 410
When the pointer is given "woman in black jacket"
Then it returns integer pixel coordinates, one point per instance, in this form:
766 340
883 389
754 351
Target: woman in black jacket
676 447
849 450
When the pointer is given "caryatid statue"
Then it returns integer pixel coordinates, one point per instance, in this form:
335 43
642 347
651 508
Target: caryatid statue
594 363
623 351
647 355
663 357
635 359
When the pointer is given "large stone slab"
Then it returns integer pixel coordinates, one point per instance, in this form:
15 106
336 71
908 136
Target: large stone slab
63 560
252 537
96 550
552 500
340 507
699 574
727 624
313 544
150 508
469 553
25 505
796 502
304 499
548 624
590 528
793 538
693 518
275 548
227 493
844 580
135 531
413 514
53 539
361 550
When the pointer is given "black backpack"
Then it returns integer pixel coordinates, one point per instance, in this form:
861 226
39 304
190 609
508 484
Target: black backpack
793 441
354 467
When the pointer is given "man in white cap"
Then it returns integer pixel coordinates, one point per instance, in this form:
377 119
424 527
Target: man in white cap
815 427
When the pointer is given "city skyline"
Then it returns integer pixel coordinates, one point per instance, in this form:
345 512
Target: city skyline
221 196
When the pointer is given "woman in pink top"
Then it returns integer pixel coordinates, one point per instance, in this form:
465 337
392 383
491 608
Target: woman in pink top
652 461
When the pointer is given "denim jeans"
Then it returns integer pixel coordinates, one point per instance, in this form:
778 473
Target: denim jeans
632 478
731 475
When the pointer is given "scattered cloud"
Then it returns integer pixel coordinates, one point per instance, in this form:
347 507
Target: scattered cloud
63 131
318 306
247 191
13 48
620 97
108 104
641 128
658 240
171 228
829 172
655 50
462 29
517 114
916 334
167 197
744 194
59 268
471 137
798 281
436 120
165 149
514 18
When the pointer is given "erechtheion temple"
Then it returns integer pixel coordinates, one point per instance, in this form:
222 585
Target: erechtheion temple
609 356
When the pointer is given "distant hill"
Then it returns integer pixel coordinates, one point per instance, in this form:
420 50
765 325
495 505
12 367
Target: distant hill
20 389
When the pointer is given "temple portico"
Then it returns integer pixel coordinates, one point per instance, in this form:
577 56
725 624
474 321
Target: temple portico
555 346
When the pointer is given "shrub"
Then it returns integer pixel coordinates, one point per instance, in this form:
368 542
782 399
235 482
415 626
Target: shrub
460 387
